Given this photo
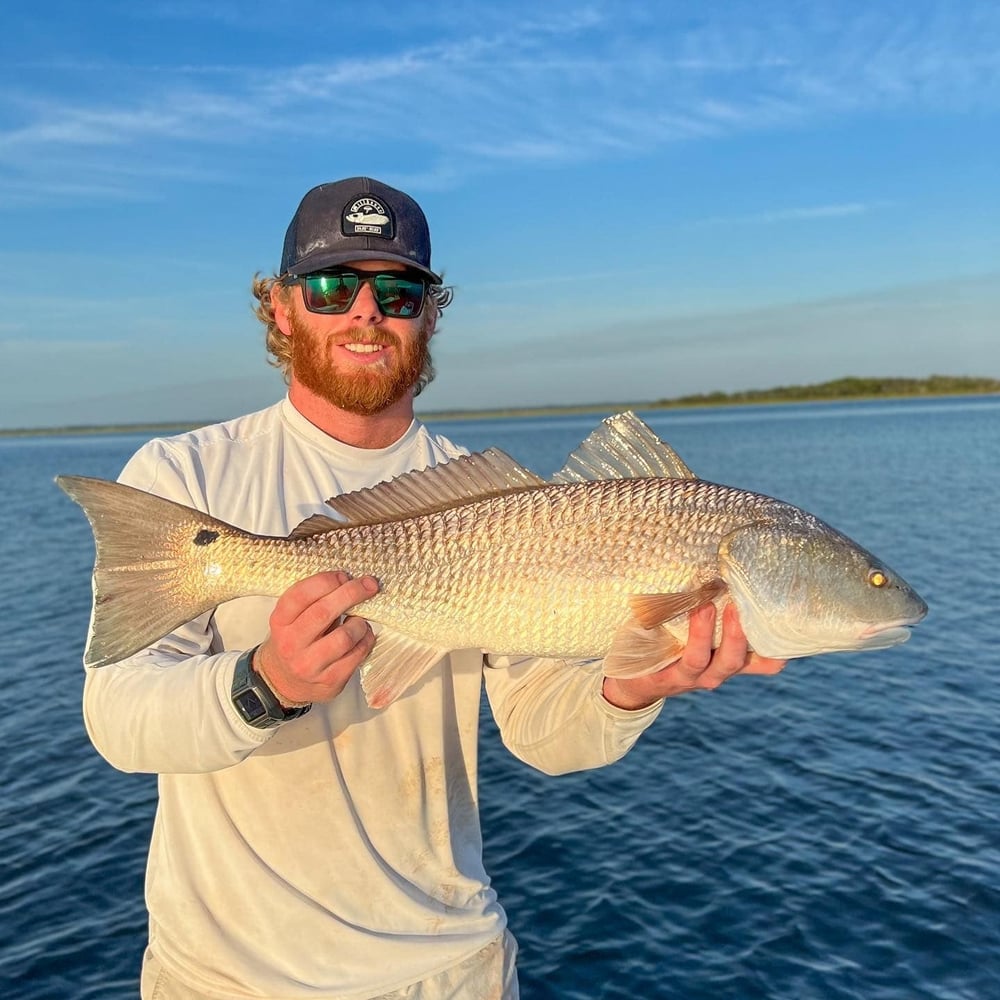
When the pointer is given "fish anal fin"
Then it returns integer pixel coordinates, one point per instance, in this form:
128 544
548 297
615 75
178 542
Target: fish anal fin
636 651
424 491
651 610
396 663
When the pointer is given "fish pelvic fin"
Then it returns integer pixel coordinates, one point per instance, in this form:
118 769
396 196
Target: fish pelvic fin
651 610
425 491
158 565
636 651
623 447
395 663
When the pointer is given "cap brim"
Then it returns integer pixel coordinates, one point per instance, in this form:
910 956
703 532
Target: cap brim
323 259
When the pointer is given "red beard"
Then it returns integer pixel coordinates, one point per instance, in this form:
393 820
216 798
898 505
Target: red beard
365 391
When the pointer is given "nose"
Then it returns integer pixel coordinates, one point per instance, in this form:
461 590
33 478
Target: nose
366 310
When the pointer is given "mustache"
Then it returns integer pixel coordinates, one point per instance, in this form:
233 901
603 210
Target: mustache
371 335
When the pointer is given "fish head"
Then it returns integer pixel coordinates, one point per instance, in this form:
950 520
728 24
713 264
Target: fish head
802 588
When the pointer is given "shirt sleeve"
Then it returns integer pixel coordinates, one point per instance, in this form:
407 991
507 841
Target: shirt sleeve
552 714
167 709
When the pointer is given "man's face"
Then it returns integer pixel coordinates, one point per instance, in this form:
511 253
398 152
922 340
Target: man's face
361 361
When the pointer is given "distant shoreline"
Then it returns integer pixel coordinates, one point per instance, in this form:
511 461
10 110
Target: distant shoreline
840 390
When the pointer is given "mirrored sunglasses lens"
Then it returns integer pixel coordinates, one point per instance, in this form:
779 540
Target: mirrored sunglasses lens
329 292
399 296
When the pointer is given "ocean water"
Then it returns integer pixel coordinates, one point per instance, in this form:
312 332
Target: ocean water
833 832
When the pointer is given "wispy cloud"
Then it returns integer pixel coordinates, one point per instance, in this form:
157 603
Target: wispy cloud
575 82
15 347
802 214
548 280
808 340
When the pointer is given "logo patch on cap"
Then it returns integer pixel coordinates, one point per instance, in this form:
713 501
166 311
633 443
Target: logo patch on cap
368 216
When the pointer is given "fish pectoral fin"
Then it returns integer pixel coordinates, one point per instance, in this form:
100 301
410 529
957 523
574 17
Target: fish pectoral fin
636 651
397 662
651 610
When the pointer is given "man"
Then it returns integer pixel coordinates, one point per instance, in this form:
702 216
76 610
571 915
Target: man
306 845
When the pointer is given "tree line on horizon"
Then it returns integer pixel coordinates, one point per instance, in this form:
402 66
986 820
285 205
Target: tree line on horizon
850 387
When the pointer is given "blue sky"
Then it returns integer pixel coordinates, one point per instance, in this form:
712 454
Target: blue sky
633 200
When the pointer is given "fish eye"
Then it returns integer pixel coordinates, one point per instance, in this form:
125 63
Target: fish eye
877 578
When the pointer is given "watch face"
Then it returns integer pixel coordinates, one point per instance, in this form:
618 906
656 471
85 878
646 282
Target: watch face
250 705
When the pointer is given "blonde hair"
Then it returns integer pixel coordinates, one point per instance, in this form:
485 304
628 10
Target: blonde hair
279 347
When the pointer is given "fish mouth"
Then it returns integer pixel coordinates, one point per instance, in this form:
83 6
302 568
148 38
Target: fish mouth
888 633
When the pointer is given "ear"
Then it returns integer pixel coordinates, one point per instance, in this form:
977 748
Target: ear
280 305
431 317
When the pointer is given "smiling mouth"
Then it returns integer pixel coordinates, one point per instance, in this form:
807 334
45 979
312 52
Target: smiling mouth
364 348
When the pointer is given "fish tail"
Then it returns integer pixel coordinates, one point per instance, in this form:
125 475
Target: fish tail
158 565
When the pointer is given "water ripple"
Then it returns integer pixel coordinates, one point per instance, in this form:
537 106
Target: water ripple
828 834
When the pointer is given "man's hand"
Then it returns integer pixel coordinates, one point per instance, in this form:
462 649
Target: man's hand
699 667
312 649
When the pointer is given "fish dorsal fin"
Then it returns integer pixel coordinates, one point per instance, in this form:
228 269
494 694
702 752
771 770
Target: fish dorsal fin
318 524
623 447
458 481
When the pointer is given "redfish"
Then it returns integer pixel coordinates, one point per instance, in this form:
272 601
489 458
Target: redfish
604 561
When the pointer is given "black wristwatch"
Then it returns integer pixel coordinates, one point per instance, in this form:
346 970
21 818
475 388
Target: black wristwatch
255 701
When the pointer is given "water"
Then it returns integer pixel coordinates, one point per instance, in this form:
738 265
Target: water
828 833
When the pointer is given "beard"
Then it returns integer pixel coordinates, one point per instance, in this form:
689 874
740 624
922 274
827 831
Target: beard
368 390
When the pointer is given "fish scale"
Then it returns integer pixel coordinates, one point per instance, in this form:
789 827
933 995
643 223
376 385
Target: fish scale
567 557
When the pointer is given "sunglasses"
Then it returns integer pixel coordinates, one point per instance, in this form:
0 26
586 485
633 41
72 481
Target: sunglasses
398 293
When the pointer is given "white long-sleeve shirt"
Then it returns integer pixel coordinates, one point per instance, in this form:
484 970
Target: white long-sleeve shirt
338 855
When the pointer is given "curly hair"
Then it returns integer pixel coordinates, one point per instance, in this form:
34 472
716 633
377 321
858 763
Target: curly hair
279 348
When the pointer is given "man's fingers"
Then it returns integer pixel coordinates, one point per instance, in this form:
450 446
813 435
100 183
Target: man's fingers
699 666
698 651
347 646
304 594
313 604
313 661
348 595
343 638
731 655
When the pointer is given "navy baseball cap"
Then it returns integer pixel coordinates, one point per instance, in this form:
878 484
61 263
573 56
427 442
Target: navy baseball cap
356 219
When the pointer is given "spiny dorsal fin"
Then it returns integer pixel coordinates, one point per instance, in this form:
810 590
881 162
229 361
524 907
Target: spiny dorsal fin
318 524
623 447
458 481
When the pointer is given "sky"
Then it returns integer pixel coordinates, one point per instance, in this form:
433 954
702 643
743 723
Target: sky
633 200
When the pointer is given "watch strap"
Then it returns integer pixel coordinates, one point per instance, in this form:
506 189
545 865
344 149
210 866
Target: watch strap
257 704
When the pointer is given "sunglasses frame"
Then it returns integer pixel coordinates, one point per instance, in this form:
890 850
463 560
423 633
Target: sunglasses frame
366 277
